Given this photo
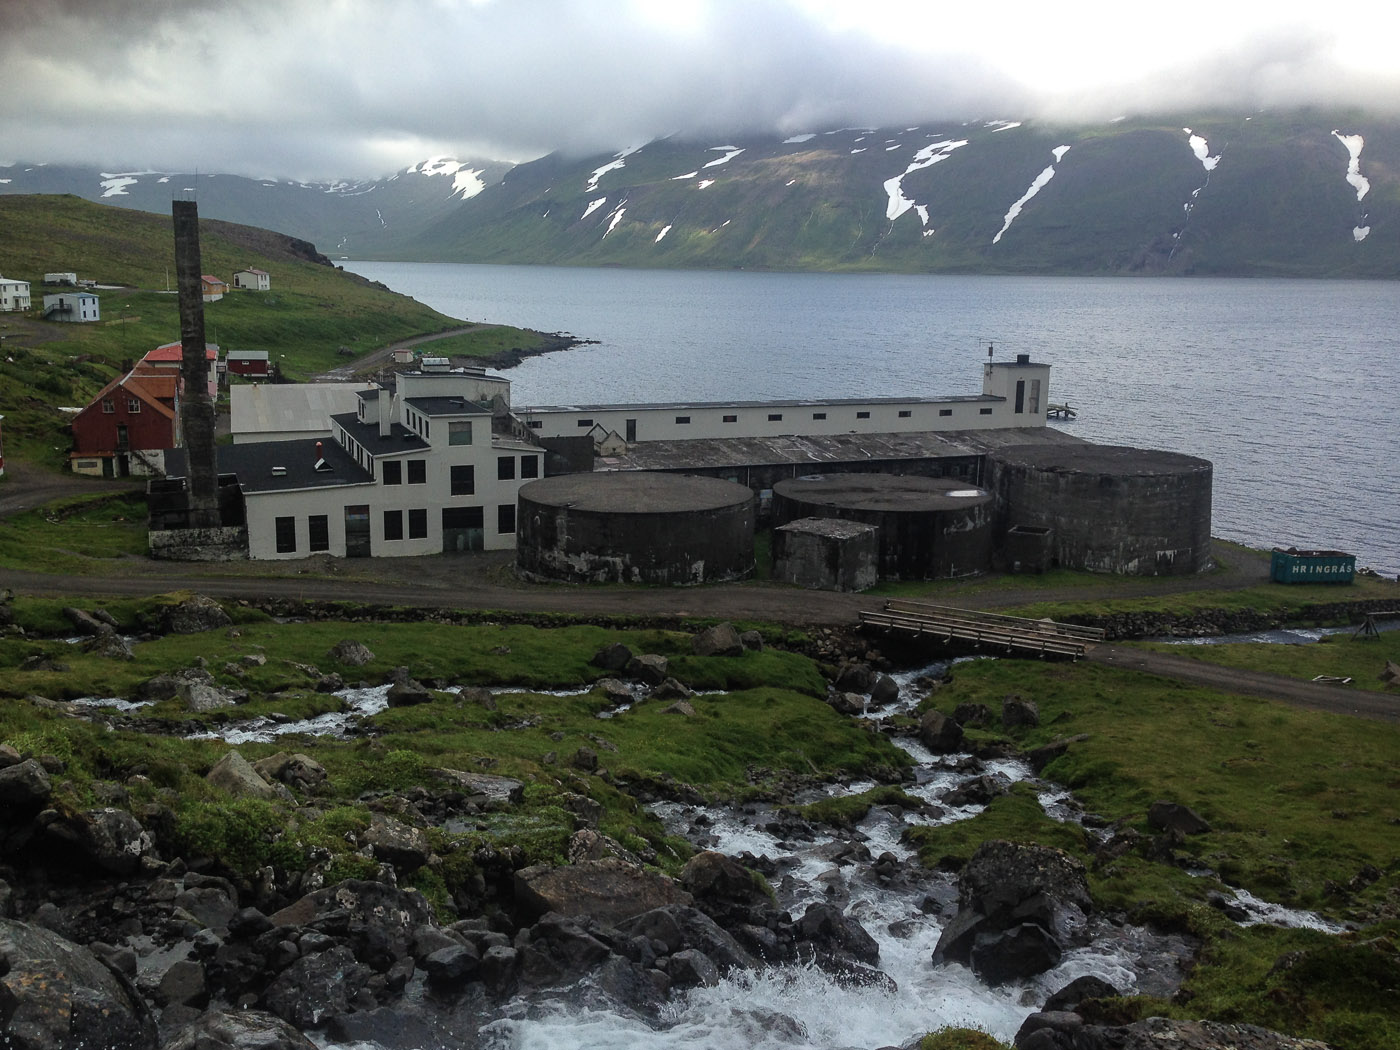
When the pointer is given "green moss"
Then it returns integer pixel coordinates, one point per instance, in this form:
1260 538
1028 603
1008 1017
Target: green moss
961 1039
849 810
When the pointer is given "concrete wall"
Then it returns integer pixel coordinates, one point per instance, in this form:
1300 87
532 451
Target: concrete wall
827 555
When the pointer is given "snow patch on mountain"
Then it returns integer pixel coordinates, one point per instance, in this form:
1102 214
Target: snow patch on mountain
703 183
1202 150
116 187
617 214
592 207
926 157
619 161
1360 233
664 231
730 152
687 175
1358 182
1002 125
1036 186
466 181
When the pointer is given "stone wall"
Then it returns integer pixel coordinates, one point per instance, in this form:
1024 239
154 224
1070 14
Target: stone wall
219 544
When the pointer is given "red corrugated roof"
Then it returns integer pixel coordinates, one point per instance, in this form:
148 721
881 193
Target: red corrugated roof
176 352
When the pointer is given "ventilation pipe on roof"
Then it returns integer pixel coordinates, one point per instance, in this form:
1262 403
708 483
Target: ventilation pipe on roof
386 414
321 464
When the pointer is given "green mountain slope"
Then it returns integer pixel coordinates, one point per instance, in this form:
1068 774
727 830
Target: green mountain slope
1269 195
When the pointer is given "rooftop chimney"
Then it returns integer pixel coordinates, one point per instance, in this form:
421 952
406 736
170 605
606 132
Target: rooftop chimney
196 406
386 414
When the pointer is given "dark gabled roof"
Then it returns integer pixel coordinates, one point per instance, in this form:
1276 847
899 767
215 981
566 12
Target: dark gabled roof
253 462
400 438
448 406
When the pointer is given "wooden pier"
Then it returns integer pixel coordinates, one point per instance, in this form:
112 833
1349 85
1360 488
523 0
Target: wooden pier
1010 634
1065 411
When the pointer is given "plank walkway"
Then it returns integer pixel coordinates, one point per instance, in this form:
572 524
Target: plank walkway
1012 634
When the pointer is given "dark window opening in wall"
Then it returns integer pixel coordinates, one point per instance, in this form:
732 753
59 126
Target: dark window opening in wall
1020 396
585 422
862 415
463 480
631 431
318 532
393 524
418 524
984 411
682 419
529 466
459 432
815 415
286 535
417 471
536 424
905 413
945 411
392 472
505 518
505 468
1034 404
731 419
425 428
775 417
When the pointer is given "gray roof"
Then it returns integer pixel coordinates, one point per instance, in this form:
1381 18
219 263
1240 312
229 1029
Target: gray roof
448 406
825 402
400 438
253 462
288 407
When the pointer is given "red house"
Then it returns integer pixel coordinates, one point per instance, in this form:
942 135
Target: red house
128 425
169 357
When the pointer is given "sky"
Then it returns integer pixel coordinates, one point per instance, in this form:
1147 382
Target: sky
320 89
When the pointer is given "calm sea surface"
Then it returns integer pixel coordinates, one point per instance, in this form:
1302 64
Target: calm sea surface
1288 387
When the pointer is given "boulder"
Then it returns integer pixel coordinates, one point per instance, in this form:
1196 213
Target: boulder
109 645
976 791
350 652
855 678
680 707
649 668
609 890
720 640
110 839
486 791
852 704
940 734
203 696
753 640
670 689
1015 954
614 657
885 690
691 967
55 994
972 714
298 770
614 690
405 691
24 790
396 843
1062 1031
1172 816
193 615
1018 714
238 1030
452 966
83 622
316 987
1086 987
678 927
831 932
395 911
233 774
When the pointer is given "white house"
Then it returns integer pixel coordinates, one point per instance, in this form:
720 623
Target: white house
14 295
62 277
421 471
76 307
252 280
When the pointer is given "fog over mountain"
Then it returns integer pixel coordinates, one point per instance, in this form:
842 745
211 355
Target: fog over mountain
352 89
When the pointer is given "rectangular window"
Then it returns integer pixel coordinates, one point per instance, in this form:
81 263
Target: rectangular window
731 419
536 424
417 471
286 535
815 415
775 417
945 411
585 423
505 468
425 428
529 466
862 415
133 405
505 518
391 472
463 480
107 406
682 420
905 413
318 532
393 524
984 411
1034 405
418 524
459 432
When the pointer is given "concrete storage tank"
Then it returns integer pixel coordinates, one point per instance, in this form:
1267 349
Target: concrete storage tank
1109 508
930 528
635 527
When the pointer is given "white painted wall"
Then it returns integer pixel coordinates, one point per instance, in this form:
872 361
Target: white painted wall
14 295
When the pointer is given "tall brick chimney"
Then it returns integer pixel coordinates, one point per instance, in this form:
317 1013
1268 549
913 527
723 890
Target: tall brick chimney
196 407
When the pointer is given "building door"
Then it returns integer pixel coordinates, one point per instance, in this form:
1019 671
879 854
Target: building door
463 529
1020 396
357 531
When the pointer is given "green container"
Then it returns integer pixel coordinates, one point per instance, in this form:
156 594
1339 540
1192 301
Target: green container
1295 566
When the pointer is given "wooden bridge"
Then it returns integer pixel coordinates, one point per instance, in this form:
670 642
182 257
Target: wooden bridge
1012 634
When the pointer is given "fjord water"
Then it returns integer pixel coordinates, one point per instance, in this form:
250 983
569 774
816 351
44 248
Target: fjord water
1288 387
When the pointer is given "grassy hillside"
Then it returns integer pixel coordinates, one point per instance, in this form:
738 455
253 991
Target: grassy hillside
315 318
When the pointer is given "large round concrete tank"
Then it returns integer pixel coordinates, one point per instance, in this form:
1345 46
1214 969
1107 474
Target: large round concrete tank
1108 508
635 527
930 528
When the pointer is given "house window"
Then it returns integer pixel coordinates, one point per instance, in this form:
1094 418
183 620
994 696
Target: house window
392 472
731 419
463 480
984 411
585 423
286 535
529 466
418 524
862 415
393 524
536 424
133 405
815 415
417 471
459 432
425 428
107 406
945 411
1034 405
505 468
775 417
682 420
905 413
318 532
505 518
